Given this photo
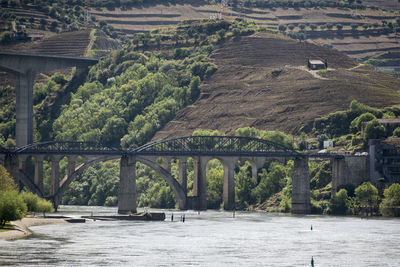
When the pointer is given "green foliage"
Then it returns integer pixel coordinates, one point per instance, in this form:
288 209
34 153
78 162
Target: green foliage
357 123
96 186
390 205
341 122
270 182
244 185
6 181
320 174
338 205
12 207
215 178
274 136
374 130
36 204
366 197
396 132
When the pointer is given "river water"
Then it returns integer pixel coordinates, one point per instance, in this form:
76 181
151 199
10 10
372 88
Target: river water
211 238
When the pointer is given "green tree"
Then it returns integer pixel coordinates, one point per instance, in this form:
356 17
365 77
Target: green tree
244 184
6 181
270 182
357 123
12 207
339 204
366 197
374 130
390 205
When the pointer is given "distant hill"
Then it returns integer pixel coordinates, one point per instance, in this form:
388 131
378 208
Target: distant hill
262 81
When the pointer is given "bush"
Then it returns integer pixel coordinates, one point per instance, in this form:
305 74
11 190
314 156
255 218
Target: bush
374 130
357 123
390 205
339 203
36 204
366 197
12 207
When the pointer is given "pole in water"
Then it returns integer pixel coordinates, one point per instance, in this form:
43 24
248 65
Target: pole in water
312 261
311 227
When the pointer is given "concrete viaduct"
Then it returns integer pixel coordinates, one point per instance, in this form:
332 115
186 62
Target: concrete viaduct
25 67
228 149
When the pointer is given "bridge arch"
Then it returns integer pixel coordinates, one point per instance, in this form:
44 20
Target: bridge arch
171 181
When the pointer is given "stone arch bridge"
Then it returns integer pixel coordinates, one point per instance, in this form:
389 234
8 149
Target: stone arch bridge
228 149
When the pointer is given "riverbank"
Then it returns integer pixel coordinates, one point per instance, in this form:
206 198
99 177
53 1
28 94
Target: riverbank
22 227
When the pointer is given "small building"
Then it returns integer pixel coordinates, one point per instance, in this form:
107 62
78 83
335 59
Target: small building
316 64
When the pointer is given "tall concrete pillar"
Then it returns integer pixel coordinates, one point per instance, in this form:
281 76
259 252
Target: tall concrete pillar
38 179
183 174
127 186
200 181
229 183
301 187
55 179
24 108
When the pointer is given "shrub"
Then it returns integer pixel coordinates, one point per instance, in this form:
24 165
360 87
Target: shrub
366 197
357 123
36 204
338 205
374 130
12 207
390 205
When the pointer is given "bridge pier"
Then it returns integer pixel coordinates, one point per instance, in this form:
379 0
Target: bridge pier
301 187
229 183
127 185
200 182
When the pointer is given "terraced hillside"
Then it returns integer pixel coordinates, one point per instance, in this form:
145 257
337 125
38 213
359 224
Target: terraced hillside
262 81
69 43
361 33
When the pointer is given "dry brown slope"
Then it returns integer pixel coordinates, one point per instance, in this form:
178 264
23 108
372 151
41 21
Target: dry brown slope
243 92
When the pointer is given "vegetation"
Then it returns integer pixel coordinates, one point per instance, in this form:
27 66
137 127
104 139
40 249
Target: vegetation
14 205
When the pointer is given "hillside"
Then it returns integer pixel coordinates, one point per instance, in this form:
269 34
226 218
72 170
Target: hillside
364 31
244 92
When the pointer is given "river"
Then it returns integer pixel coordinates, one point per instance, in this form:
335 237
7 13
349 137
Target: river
211 238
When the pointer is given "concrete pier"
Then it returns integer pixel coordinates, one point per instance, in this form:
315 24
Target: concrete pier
127 186
301 187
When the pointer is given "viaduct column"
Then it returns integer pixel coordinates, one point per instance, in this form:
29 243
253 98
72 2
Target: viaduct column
38 180
200 182
301 187
127 185
24 108
229 183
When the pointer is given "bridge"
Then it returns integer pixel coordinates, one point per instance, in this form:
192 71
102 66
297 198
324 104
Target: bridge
228 149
